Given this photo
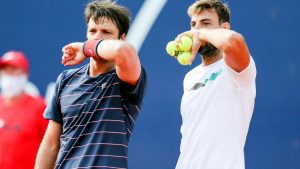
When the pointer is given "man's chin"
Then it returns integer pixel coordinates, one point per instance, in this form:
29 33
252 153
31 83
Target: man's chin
208 50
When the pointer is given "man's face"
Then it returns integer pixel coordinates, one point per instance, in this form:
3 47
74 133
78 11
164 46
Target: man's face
103 29
13 81
206 19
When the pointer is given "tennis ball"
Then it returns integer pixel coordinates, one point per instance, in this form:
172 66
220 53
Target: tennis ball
185 43
172 49
184 58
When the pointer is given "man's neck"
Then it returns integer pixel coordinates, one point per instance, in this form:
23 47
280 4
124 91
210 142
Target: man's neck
211 59
100 67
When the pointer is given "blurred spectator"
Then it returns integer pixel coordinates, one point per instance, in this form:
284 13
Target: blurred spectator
21 122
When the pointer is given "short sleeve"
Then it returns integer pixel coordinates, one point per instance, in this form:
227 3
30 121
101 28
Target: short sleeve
246 77
53 110
135 94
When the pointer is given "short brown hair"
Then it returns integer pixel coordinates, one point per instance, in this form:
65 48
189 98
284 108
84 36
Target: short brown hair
118 14
221 9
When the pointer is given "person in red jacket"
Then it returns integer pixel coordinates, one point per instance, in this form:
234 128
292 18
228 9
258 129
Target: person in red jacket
21 122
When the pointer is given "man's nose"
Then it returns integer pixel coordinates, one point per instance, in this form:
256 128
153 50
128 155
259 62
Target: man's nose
98 36
197 26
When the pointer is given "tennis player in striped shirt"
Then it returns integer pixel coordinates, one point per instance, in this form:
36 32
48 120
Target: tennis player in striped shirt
94 108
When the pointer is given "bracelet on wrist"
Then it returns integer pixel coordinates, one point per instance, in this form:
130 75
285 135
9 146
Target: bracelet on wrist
90 48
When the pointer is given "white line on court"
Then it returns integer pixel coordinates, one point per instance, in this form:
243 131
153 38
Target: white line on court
143 22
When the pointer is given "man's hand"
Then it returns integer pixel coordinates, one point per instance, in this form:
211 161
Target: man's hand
73 54
194 34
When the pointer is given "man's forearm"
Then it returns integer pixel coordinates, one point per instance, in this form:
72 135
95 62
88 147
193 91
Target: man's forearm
46 157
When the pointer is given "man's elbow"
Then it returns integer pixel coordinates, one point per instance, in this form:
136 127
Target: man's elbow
126 52
235 41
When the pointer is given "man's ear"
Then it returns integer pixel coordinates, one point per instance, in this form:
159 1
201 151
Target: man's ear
123 36
225 25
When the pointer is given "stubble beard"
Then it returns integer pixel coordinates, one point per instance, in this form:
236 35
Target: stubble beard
208 50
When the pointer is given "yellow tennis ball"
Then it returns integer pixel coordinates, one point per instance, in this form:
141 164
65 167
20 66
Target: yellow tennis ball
186 43
184 58
172 49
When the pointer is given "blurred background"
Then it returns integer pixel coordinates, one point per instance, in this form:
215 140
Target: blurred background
271 28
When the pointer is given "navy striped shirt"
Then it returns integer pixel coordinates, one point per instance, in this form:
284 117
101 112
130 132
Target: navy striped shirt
98 115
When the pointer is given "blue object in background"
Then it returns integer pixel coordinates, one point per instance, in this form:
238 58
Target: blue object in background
41 28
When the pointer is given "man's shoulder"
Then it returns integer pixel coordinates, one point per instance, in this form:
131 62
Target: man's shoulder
76 71
64 77
195 70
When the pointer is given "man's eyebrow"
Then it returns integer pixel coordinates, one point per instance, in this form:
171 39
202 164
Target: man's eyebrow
202 20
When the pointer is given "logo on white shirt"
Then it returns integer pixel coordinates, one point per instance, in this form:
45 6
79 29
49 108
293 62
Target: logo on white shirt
212 77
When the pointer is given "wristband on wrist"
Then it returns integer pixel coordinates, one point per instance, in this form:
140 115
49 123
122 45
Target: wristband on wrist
90 48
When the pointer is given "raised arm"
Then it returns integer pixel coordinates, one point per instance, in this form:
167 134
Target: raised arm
120 52
49 147
124 55
236 52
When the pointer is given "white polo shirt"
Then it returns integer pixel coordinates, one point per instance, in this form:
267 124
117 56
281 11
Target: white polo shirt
216 109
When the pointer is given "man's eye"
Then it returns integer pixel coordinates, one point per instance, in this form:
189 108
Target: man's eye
106 32
206 24
92 31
